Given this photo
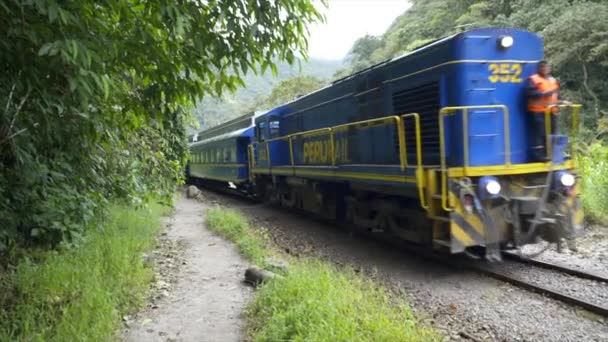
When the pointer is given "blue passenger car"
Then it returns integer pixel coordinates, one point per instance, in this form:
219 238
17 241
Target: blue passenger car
220 154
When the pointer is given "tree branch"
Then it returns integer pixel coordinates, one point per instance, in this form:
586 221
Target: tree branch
12 136
596 101
10 98
11 126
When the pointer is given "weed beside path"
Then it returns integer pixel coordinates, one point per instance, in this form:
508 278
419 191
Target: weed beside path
316 301
593 165
234 227
81 293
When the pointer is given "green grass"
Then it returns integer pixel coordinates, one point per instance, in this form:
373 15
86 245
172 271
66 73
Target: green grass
316 301
234 227
593 165
81 293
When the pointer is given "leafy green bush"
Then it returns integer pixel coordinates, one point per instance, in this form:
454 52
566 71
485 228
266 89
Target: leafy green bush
593 165
96 96
80 293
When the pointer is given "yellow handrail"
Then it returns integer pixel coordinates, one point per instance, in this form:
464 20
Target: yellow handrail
250 151
313 132
398 120
400 133
251 161
268 156
291 150
277 138
446 111
575 115
419 169
256 144
285 137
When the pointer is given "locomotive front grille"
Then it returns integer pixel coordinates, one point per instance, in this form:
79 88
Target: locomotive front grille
423 100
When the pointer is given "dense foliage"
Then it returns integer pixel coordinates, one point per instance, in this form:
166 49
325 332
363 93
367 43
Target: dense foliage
593 164
96 96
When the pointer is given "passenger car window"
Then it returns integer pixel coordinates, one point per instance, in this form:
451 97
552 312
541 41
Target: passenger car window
228 155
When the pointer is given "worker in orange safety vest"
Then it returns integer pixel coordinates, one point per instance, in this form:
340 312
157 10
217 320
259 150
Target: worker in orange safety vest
543 95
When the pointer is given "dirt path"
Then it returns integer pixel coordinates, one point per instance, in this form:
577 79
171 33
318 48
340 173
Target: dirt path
208 297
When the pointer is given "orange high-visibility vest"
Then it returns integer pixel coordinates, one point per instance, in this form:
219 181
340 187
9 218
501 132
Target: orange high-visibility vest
541 104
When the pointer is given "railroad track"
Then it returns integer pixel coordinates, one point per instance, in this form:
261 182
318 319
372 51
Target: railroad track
556 267
504 272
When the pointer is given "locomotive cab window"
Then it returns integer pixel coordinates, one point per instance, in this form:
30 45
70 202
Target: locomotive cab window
261 130
274 127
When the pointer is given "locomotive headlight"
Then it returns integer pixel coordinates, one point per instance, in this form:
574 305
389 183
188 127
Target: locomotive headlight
489 187
505 42
567 179
493 187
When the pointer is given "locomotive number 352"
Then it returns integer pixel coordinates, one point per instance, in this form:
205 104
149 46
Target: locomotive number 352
505 72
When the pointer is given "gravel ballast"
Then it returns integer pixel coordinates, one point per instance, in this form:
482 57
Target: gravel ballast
591 291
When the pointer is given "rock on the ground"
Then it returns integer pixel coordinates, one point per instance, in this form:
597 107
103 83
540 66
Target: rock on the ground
277 264
192 191
255 275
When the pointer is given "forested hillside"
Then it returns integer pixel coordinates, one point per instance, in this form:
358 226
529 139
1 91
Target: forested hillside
214 110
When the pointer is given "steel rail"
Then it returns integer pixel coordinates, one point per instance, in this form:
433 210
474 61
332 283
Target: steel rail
555 294
559 268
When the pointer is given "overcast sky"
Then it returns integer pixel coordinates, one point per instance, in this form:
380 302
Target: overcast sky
347 20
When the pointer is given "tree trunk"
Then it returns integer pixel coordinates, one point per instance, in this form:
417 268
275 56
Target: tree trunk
596 100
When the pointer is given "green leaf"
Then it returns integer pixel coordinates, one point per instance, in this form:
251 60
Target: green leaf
44 50
52 10
106 86
73 83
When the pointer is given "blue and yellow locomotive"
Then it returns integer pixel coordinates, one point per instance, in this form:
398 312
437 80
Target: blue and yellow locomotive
433 147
